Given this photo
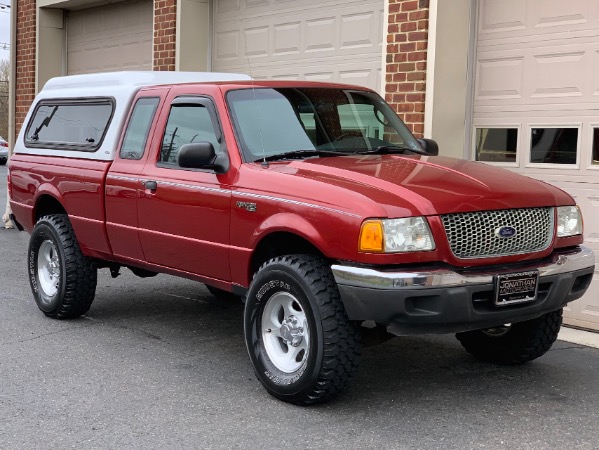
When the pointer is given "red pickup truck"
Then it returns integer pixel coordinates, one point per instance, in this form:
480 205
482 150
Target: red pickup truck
310 201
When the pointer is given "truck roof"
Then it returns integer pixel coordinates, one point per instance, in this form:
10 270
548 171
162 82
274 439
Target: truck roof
133 80
122 87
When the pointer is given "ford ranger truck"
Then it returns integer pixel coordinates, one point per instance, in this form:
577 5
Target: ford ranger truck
310 201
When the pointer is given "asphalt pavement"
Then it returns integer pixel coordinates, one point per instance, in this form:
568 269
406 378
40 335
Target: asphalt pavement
159 363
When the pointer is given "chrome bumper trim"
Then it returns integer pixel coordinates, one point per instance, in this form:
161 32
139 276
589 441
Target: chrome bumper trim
578 259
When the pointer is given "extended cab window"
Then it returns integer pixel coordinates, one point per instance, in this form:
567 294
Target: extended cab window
69 124
138 128
187 123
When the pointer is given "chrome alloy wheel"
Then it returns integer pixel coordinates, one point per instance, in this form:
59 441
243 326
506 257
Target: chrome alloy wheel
48 268
285 332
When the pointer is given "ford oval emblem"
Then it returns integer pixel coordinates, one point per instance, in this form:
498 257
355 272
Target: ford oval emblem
505 232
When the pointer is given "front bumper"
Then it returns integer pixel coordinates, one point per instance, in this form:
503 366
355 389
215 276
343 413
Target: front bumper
448 301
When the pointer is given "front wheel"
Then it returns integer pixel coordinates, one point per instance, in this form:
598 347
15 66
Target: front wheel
303 347
62 279
513 343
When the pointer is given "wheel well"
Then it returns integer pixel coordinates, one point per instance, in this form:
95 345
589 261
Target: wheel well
47 205
278 244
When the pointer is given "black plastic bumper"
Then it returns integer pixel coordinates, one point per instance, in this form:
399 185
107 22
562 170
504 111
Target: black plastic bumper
443 301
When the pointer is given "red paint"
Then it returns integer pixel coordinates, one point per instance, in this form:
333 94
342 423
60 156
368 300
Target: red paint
191 225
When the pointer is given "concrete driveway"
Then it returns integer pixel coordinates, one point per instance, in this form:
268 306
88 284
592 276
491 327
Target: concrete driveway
158 363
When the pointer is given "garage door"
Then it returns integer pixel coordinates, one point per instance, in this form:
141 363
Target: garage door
536 104
323 40
112 37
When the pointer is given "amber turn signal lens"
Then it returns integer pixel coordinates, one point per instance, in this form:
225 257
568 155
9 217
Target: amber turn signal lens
371 236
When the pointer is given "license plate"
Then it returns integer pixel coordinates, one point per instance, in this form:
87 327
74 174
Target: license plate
516 288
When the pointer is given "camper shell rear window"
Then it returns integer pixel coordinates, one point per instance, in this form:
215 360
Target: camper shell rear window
70 124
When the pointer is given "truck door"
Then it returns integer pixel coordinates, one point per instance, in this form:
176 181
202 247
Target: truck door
184 214
123 179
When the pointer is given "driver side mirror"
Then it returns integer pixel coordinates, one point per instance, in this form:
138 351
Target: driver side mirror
429 146
201 155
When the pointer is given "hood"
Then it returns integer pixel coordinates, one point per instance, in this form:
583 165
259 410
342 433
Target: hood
429 185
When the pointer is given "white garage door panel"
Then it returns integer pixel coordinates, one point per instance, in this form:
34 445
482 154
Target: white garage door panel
111 37
537 65
313 40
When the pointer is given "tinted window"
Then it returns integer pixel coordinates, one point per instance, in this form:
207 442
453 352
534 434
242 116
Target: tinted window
76 125
554 145
186 124
496 144
138 128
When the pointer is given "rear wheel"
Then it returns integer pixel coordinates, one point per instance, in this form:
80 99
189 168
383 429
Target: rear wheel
62 279
513 343
303 347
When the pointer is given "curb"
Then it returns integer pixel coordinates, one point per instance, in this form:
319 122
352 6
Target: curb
581 337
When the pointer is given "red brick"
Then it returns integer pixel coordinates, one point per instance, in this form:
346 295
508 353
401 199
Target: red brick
417 56
416 76
407 47
406 87
399 98
405 107
406 67
409 6
415 97
408 26
418 36
418 15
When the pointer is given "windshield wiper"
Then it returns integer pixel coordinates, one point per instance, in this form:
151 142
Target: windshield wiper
298 154
386 149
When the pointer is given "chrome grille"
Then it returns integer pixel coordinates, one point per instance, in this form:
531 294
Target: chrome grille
474 234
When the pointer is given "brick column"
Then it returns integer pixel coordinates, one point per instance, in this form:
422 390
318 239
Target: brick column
25 79
165 26
407 39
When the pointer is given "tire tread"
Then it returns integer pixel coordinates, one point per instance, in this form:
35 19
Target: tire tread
81 271
524 342
342 340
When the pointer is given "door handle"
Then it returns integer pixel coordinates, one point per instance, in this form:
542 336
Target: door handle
151 185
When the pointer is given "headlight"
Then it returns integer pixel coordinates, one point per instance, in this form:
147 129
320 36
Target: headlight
569 221
396 235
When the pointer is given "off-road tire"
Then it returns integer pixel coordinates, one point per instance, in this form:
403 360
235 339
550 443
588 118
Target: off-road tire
77 274
521 342
334 341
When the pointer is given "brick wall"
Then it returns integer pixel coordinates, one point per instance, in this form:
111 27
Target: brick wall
165 26
407 39
25 80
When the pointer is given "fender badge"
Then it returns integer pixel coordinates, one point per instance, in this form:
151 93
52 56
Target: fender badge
505 232
249 206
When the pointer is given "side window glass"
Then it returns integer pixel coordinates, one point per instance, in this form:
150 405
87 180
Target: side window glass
76 125
138 128
186 124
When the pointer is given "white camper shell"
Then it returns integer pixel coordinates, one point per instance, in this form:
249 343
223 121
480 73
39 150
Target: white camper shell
110 94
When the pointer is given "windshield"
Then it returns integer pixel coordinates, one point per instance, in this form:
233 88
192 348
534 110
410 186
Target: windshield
270 122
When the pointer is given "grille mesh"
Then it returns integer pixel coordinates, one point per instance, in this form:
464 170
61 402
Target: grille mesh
473 235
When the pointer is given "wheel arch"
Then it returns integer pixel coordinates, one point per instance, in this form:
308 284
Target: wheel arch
47 204
279 243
